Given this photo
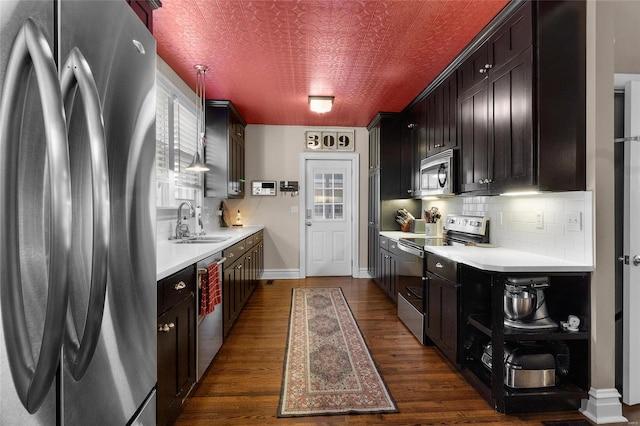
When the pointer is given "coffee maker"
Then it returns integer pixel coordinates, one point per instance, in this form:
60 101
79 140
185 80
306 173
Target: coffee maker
525 306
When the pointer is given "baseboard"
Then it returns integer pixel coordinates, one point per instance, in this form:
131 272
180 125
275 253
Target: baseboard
294 274
363 273
603 406
280 274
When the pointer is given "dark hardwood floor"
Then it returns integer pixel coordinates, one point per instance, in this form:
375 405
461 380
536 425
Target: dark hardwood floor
242 386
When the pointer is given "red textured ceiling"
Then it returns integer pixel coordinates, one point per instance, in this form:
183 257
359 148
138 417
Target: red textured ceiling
268 56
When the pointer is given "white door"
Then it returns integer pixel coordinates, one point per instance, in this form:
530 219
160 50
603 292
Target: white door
631 247
328 217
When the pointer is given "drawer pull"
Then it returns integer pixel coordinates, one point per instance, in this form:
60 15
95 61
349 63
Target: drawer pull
165 328
439 265
180 286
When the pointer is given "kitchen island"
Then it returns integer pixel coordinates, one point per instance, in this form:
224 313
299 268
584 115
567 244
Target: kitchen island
465 319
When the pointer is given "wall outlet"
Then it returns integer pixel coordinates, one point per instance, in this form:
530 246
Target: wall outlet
294 209
540 220
573 221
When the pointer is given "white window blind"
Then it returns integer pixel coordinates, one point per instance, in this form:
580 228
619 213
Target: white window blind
162 134
175 146
185 144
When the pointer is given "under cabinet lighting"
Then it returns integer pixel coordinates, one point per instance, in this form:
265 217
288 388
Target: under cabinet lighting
320 104
520 194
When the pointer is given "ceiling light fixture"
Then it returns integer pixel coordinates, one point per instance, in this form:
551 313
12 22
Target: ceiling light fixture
320 104
197 165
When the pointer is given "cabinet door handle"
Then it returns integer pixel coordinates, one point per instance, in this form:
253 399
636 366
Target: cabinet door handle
437 145
165 328
439 265
239 267
180 286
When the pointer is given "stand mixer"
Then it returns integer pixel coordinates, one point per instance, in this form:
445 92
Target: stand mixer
525 305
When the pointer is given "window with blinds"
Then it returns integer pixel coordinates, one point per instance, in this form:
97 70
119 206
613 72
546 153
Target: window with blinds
175 146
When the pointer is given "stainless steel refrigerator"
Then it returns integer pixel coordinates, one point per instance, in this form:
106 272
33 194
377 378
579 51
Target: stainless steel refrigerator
77 216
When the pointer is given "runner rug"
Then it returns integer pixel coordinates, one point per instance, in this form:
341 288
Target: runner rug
328 368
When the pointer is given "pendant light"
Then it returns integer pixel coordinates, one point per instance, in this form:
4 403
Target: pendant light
197 165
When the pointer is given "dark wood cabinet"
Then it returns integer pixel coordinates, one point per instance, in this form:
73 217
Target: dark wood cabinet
483 322
144 9
441 116
415 131
389 180
176 350
224 150
495 110
241 272
510 124
521 102
473 138
389 156
441 319
388 260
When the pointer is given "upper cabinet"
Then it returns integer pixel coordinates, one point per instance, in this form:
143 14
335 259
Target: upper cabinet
390 155
144 9
441 116
521 103
415 135
224 150
495 109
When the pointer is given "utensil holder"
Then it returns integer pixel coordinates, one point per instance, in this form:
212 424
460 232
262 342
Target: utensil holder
431 229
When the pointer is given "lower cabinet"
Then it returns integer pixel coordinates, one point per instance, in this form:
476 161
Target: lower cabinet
441 320
388 263
242 270
176 342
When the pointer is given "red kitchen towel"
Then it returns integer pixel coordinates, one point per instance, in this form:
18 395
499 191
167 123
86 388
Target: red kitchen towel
214 284
210 294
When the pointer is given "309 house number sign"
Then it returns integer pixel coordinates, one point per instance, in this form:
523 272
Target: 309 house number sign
329 141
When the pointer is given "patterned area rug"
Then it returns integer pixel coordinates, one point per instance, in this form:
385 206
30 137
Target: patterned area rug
328 368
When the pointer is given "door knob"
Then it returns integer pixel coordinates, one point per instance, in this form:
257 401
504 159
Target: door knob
308 223
636 260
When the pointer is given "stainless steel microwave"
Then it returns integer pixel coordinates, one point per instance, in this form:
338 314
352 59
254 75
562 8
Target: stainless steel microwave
438 174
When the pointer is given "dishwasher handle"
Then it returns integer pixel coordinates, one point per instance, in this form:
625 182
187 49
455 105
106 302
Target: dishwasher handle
202 271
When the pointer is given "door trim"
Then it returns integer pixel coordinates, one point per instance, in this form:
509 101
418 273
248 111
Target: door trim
354 158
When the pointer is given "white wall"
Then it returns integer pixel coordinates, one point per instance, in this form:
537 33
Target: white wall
273 153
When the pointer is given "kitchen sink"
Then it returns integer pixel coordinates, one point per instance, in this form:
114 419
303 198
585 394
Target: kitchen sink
202 239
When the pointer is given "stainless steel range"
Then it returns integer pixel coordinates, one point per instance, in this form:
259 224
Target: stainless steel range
414 267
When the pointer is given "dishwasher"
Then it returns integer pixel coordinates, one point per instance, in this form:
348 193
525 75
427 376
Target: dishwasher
209 336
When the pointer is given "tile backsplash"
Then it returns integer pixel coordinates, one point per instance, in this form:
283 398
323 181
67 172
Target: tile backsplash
552 224
166 218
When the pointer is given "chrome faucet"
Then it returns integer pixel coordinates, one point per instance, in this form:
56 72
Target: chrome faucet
182 229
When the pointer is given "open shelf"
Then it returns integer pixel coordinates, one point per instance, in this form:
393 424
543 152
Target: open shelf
483 323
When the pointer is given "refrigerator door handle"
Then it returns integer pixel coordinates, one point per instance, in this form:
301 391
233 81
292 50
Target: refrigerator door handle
76 76
33 378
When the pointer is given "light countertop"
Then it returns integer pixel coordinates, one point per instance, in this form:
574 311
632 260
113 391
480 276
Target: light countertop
172 257
498 259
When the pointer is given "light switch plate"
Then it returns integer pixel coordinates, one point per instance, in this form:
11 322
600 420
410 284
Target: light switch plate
540 220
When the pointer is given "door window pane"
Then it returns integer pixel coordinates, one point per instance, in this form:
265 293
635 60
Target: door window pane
328 196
